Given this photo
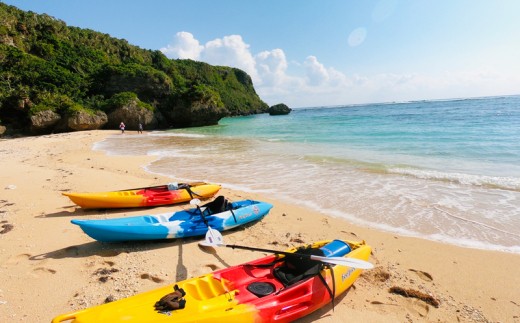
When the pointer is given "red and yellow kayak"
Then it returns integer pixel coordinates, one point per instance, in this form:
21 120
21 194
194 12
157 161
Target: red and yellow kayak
144 197
250 292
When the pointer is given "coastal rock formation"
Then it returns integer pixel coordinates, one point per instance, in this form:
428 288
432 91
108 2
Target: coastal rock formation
196 113
47 65
279 109
44 120
131 114
87 121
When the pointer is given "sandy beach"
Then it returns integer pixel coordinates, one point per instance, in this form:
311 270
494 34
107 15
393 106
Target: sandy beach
49 266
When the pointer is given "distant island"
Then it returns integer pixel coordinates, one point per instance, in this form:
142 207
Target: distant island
58 78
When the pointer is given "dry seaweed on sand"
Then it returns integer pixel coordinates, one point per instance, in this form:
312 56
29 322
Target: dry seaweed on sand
415 294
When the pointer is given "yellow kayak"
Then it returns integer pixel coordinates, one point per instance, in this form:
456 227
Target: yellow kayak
275 288
145 196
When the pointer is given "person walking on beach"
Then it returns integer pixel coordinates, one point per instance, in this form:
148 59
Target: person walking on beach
122 127
140 128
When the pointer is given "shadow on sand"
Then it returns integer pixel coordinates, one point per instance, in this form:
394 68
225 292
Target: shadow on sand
73 210
105 249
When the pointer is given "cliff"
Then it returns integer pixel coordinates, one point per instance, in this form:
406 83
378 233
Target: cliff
58 78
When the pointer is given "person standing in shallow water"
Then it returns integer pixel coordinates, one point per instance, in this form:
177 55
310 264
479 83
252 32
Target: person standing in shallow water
140 128
122 127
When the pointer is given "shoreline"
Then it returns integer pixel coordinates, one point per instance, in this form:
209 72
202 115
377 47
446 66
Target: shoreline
430 207
49 266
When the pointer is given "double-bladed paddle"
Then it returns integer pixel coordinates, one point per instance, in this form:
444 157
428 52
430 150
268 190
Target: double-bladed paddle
214 239
181 186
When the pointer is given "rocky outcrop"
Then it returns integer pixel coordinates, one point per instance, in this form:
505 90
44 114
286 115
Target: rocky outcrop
83 120
279 109
48 121
132 114
43 121
195 113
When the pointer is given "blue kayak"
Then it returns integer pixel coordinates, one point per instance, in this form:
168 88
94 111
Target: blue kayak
219 215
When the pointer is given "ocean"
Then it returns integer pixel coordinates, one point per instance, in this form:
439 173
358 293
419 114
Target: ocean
443 170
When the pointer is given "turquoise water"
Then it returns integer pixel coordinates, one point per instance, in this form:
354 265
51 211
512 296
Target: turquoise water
441 170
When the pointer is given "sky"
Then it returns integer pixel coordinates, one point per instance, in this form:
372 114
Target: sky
308 53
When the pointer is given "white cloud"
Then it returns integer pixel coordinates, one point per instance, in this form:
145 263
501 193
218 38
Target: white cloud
316 72
271 67
318 75
312 83
268 69
227 51
184 46
230 51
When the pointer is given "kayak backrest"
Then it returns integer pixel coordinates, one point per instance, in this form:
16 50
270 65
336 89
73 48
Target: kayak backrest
296 268
218 205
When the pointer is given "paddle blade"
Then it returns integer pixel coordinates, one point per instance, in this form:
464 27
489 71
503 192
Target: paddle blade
350 262
213 238
195 202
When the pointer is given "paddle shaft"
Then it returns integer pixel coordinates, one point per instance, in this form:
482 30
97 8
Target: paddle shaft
163 185
332 260
350 262
233 246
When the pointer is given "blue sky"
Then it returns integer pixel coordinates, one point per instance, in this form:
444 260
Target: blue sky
324 52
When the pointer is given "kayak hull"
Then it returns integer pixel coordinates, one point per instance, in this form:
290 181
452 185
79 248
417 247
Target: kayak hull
143 197
225 296
181 224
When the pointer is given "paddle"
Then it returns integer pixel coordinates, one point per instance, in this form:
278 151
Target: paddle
163 185
212 235
214 239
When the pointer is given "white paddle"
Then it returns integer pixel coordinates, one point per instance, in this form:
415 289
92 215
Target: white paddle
212 235
214 239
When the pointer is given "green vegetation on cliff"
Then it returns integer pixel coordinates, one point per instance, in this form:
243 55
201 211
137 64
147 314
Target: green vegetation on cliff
47 65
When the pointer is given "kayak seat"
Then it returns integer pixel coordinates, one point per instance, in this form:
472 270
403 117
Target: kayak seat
297 268
218 205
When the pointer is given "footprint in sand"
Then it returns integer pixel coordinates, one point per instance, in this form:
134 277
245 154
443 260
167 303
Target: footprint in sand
41 270
155 279
15 260
6 228
417 307
45 270
212 266
423 275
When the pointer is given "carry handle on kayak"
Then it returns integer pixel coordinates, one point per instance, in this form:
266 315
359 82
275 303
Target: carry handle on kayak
64 317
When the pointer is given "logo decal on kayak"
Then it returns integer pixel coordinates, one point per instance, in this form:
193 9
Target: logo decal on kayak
244 216
255 212
347 274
